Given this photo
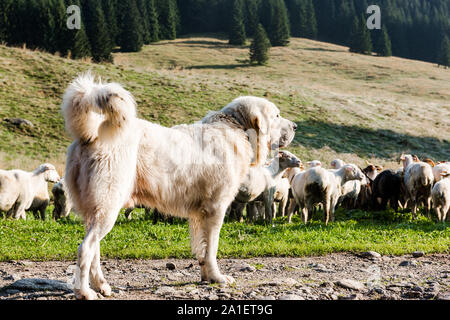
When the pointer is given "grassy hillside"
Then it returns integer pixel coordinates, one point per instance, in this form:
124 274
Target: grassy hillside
349 106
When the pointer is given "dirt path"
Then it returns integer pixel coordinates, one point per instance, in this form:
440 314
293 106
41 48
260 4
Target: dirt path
335 276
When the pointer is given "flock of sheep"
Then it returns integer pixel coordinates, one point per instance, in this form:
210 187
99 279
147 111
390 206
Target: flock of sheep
372 188
284 180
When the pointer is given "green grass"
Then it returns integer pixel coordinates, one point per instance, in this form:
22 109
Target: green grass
354 231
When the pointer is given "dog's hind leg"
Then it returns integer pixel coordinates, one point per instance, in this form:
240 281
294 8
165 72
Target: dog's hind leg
100 224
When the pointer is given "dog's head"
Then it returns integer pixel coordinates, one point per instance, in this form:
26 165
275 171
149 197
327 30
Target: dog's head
261 119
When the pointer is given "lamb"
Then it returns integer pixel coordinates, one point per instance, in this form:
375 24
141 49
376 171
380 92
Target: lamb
63 204
260 183
441 197
22 191
282 196
318 185
418 179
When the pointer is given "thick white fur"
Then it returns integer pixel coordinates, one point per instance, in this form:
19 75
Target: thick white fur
21 191
192 171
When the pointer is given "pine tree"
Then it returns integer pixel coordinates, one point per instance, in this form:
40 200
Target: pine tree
131 36
260 46
311 22
360 41
237 29
444 53
110 11
251 17
384 44
97 31
279 26
167 19
153 24
144 20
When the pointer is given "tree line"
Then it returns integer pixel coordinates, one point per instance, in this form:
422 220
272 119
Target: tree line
416 29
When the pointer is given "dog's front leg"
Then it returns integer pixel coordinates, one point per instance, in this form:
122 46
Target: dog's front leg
205 230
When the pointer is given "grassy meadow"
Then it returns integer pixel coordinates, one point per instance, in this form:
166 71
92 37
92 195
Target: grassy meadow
349 106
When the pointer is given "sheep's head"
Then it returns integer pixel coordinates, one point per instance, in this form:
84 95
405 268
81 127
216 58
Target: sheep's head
406 159
49 172
314 163
288 160
352 172
337 164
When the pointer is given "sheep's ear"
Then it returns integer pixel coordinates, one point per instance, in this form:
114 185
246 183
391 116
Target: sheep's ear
445 173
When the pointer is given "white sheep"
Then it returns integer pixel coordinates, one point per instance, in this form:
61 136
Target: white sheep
260 184
281 195
63 204
314 163
439 169
441 197
418 178
22 191
337 164
318 185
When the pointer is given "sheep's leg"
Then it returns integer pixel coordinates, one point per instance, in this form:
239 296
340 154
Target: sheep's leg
446 213
282 207
428 208
128 213
438 213
274 210
326 211
147 214
240 212
250 212
205 229
18 212
291 209
305 214
268 200
88 263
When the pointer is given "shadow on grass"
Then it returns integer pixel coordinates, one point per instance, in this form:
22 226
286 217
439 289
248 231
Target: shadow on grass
222 66
365 142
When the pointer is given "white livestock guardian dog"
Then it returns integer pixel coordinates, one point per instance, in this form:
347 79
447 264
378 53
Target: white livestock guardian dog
191 171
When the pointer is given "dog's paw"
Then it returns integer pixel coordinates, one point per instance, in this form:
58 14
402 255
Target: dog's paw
105 290
223 279
86 294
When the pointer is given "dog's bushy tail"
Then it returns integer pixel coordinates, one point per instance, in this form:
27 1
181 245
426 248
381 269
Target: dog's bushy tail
93 110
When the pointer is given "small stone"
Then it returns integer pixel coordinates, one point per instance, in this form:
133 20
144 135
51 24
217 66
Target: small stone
12 277
291 297
407 263
412 294
418 254
350 284
266 298
171 266
443 296
165 291
71 269
371 254
39 285
350 297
